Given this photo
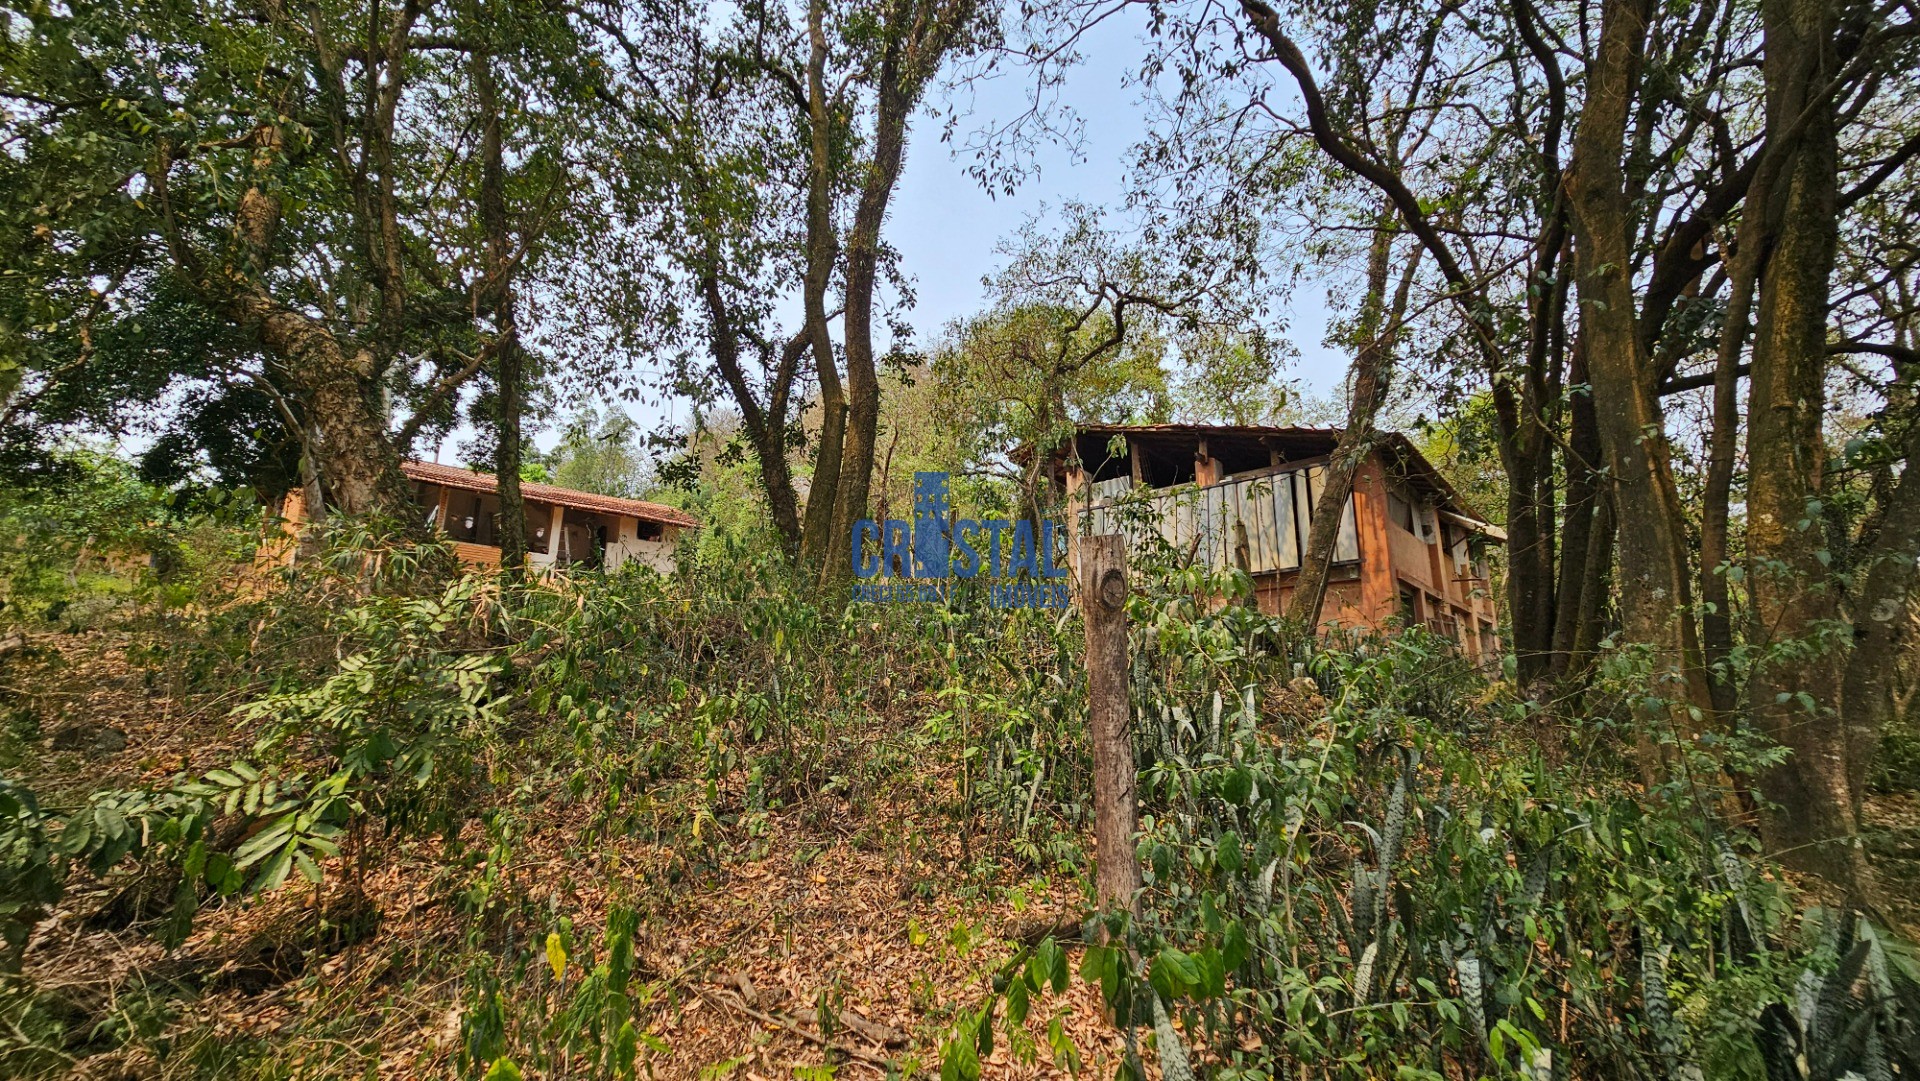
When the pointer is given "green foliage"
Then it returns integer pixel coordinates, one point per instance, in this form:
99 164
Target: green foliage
401 717
389 737
1405 879
77 531
577 1012
1359 858
601 453
29 871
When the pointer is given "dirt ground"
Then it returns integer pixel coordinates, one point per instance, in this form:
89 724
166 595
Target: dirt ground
885 914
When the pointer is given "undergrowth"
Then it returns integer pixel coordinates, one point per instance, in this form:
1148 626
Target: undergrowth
1362 858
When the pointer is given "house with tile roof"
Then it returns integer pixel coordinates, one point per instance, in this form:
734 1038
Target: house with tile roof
565 527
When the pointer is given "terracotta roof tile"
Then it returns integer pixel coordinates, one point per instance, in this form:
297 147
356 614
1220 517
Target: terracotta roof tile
467 480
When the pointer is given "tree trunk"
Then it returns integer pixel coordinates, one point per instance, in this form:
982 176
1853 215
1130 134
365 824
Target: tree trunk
1379 326
1655 586
337 383
1883 625
1526 451
916 40
350 448
816 541
1723 439
862 273
1793 599
509 361
510 378
1597 588
1103 605
765 427
1580 559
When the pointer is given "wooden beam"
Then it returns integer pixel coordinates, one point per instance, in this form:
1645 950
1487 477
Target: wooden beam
1378 595
1205 470
1103 606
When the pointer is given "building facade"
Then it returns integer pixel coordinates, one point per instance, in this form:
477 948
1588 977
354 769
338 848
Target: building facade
1410 548
565 528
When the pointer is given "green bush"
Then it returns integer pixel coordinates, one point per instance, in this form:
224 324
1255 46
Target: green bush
1407 880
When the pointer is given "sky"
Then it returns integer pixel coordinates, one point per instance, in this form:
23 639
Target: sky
946 226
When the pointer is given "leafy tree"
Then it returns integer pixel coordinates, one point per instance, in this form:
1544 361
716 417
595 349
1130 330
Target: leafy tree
604 453
303 175
781 136
1222 379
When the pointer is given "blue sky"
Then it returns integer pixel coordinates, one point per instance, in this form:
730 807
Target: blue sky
946 226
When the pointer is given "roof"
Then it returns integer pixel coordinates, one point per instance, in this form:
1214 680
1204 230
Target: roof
449 476
1294 444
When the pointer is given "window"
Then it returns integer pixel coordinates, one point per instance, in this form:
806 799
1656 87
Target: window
1456 540
1399 511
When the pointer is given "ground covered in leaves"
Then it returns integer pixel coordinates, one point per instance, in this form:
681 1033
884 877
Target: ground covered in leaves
882 920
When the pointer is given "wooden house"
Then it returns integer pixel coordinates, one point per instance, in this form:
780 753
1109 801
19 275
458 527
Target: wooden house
1410 548
564 527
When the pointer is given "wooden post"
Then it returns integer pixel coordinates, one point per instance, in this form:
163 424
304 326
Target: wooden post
556 535
1206 471
1379 595
1079 499
1103 605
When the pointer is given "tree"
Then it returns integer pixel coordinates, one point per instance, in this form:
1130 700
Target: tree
1023 376
287 170
1230 379
1691 204
1376 331
602 452
775 145
1083 318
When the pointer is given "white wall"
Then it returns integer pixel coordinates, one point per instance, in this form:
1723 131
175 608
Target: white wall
657 554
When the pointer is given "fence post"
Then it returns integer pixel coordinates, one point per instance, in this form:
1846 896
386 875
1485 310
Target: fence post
1103 606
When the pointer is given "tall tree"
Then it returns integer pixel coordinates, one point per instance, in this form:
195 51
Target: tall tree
1792 594
1656 586
775 146
1525 395
913 39
1377 328
286 168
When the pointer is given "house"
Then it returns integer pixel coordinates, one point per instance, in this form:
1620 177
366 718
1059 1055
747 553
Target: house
564 527
1409 548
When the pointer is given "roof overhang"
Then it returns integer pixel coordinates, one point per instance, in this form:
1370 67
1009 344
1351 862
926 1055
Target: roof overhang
1486 529
468 480
1405 462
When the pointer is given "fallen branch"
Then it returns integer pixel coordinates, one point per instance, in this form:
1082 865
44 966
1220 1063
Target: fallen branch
1063 928
871 1031
733 1002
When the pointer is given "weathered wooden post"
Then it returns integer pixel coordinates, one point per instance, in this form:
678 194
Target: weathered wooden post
1103 606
